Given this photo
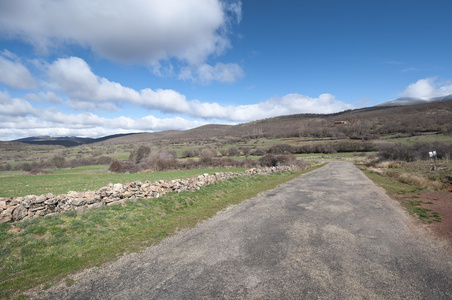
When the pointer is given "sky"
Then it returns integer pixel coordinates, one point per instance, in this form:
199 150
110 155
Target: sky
93 68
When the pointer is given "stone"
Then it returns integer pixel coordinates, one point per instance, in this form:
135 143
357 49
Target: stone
117 187
95 205
79 201
51 201
6 215
3 204
36 208
19 213
40 199
81 209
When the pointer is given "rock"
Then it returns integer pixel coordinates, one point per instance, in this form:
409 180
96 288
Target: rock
30 198
19 213
95 205
36 208
81 209
117 187
3 204
40 199
27 203
49 196
79 201
6 215
51 201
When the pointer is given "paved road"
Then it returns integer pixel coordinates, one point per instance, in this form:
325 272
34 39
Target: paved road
329 234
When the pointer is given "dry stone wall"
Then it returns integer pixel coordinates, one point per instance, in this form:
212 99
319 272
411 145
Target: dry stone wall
32 206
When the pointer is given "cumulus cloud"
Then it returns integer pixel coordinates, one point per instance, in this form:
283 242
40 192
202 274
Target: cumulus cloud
14 74
18 118
427 88
289 104
11 107
74 77
134 31
206 73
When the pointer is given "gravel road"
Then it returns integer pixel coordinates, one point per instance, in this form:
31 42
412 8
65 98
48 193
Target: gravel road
329 234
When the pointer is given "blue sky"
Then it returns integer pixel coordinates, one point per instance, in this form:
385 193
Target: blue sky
94 68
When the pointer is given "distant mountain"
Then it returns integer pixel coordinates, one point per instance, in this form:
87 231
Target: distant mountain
413 101
66 141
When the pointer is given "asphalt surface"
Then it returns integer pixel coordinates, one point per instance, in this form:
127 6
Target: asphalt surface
329 234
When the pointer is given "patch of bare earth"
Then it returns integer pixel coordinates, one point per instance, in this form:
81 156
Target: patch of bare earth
440 202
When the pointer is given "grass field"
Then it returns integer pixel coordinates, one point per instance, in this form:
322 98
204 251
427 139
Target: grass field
43 251
83 179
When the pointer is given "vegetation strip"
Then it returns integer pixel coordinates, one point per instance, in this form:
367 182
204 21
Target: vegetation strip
397 189
43 251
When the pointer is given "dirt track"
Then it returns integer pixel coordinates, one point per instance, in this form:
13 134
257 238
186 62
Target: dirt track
329 234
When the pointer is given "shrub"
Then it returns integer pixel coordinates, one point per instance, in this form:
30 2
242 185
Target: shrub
281 149
190 153
58 161
115 166
233 151
419 151
270 160
104 160
163 160
139 154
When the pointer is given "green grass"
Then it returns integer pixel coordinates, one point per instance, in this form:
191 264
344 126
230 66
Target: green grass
83 179
47 250
411 140
414 207
389 184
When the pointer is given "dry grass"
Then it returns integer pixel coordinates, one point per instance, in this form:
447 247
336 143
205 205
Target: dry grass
416 180
389 164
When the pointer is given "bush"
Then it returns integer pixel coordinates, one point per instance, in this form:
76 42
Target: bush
115 166
139 154
163 160
419 151
190 153
270 160
281 149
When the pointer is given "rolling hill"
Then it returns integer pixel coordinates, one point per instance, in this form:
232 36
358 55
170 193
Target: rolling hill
358 123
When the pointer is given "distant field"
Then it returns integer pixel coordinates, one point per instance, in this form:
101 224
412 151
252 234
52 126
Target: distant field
410 140
83 179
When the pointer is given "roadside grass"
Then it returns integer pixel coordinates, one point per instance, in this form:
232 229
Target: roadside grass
389 184
398 189
85 178
425 215
43 251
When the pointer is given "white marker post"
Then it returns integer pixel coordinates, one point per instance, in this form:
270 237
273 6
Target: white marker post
432 154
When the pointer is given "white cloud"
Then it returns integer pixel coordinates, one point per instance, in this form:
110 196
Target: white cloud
206 73
14 106
14 74
74 77
427 88
19 119
286 105
134 31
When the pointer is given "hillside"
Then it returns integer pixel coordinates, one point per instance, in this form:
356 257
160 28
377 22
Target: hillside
360 123
364 123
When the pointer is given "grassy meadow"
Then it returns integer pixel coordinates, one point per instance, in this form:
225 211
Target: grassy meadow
45 250
83 179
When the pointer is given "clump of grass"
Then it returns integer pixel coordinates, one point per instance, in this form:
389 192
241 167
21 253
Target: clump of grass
416 180
391 186
426 215
389 164
47 249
